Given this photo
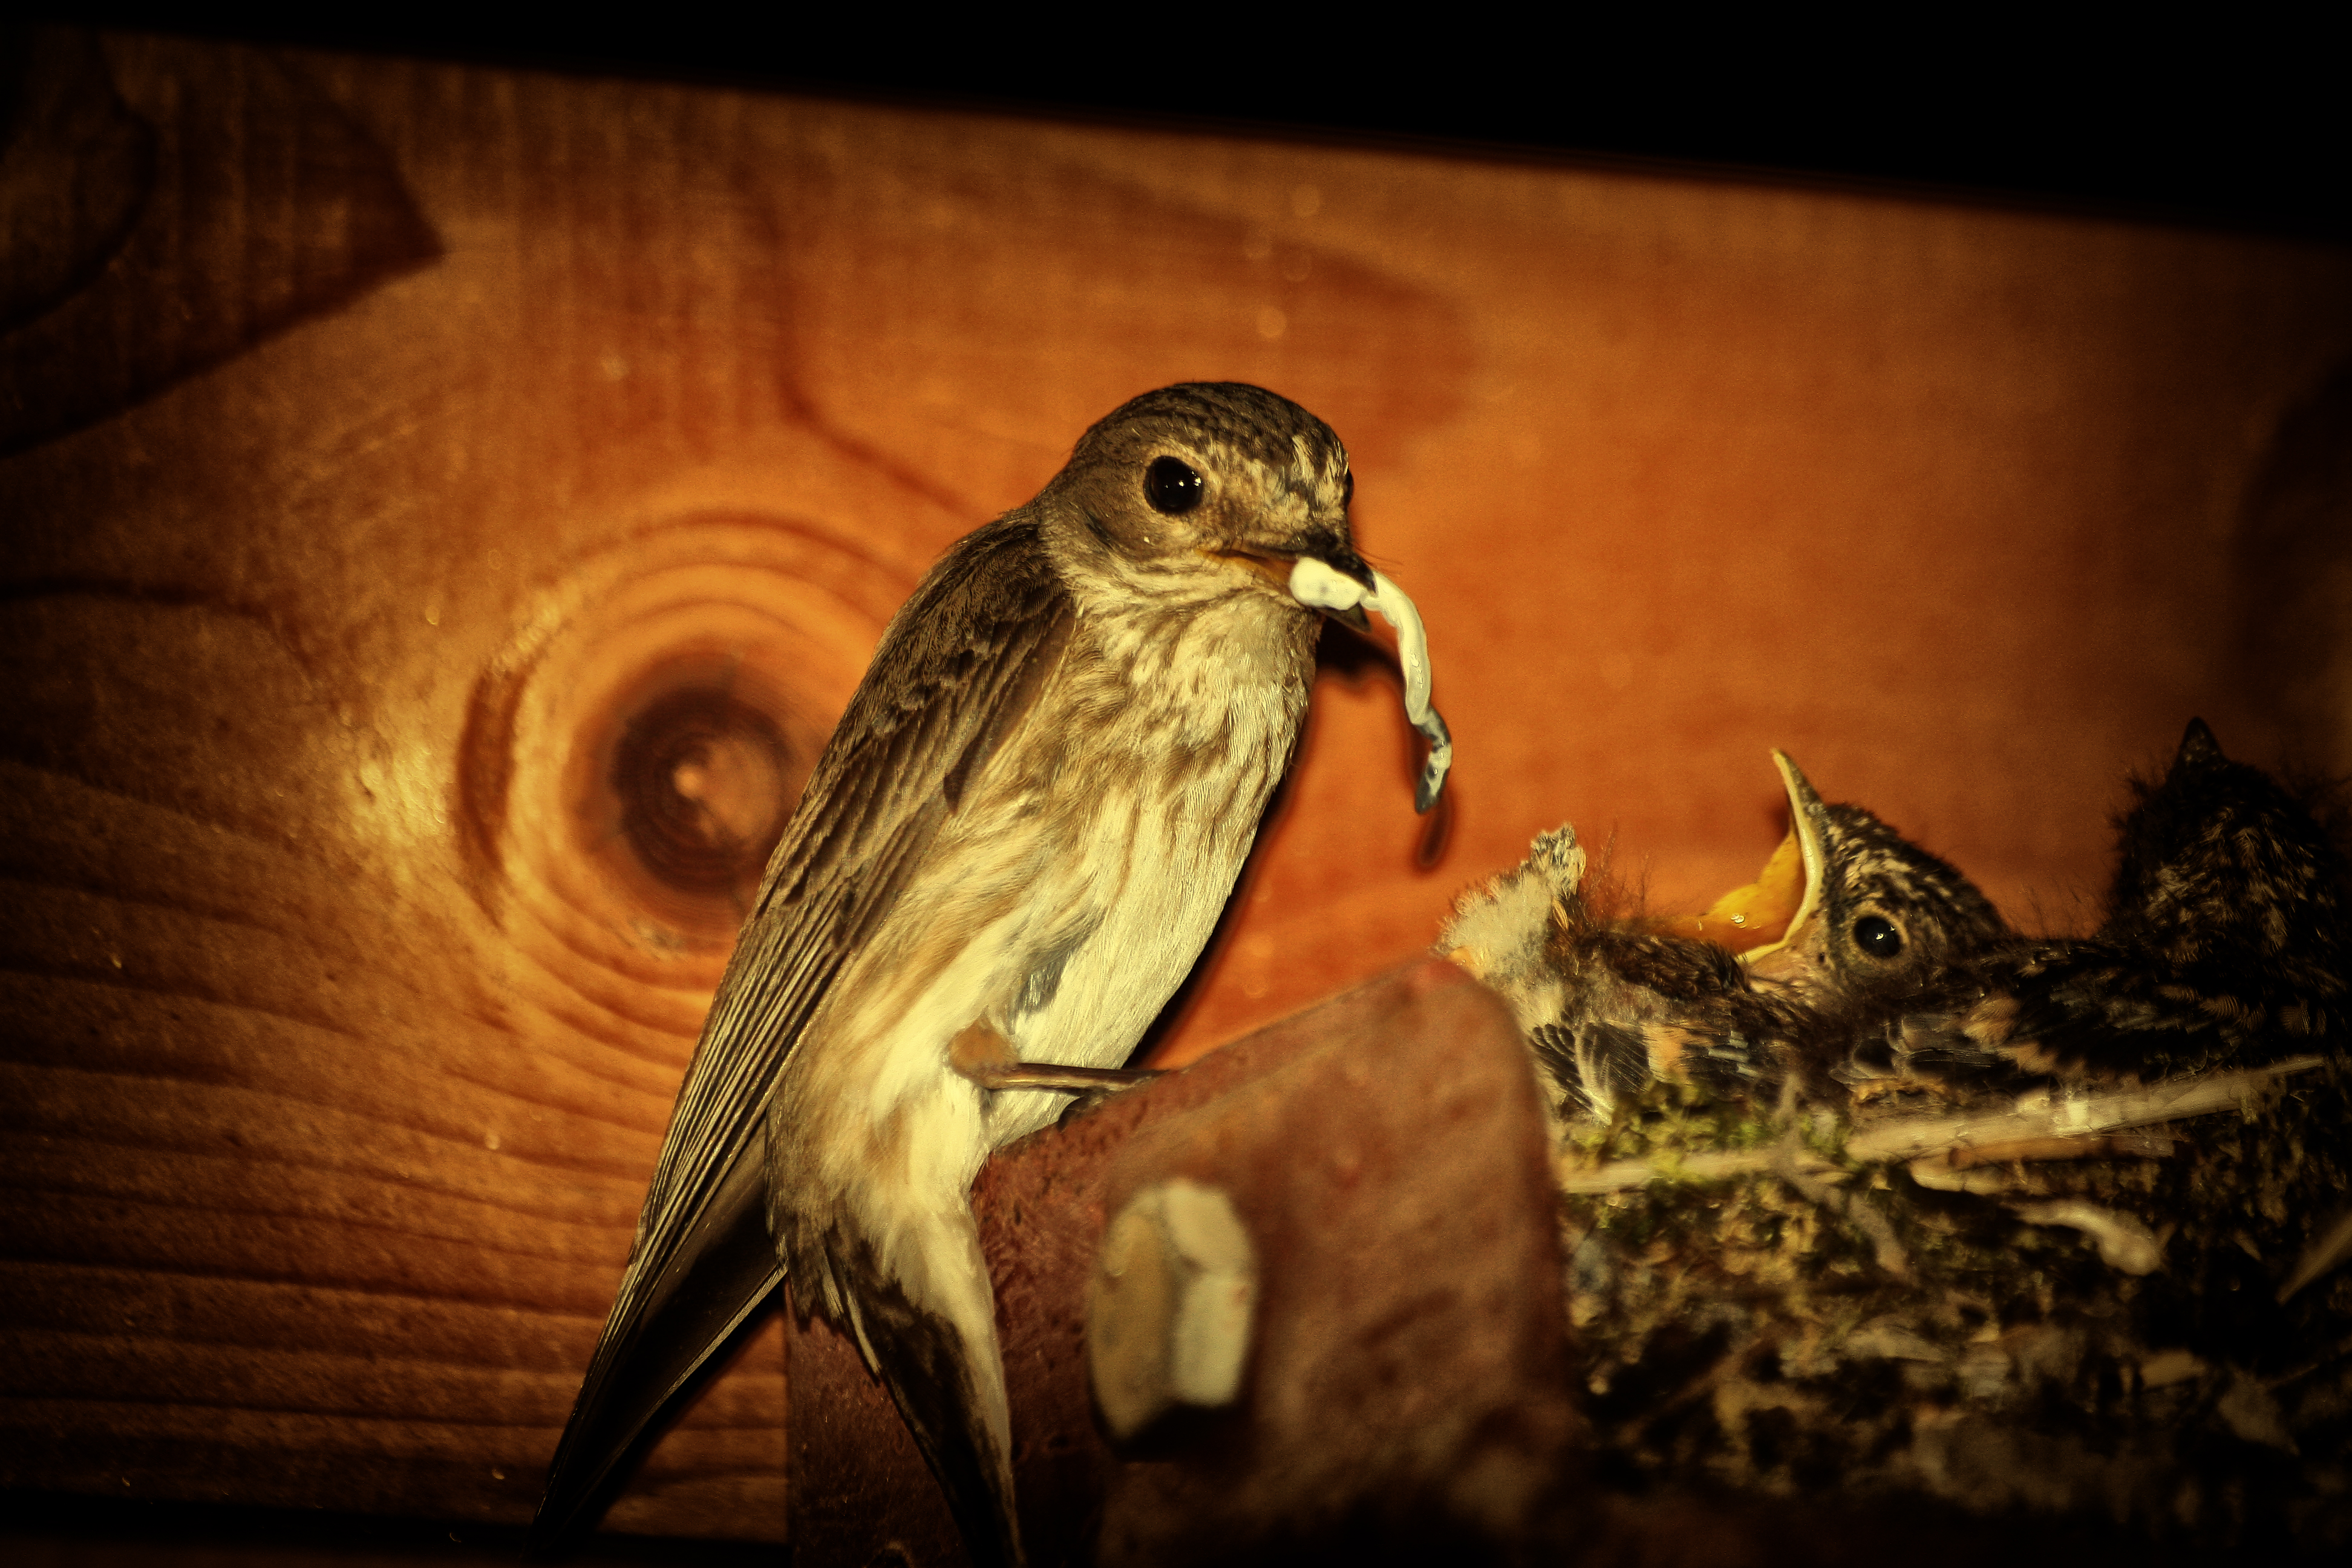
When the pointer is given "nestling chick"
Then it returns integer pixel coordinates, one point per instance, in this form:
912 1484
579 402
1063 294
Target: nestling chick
2225 938
1604 1005
1848 917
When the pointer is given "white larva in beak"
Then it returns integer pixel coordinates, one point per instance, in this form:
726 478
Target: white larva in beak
1320 587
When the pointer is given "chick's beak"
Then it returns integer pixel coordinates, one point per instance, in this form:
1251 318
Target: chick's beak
1800 948
1771 924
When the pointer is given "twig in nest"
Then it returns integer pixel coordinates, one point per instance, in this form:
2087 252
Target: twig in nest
2327 1249
2035 1117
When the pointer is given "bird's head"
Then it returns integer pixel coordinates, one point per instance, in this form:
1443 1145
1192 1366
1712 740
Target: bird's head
1846 906
2219 857
1207 488
1876 911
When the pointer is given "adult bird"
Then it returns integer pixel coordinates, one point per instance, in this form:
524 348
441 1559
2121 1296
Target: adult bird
1011 853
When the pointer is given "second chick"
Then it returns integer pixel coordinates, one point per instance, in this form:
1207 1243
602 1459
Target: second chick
1848 919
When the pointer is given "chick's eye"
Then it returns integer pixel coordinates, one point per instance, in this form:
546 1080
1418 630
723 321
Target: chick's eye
1876 935
1171 486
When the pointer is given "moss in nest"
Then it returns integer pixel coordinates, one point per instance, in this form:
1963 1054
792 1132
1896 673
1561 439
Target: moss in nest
1672 1118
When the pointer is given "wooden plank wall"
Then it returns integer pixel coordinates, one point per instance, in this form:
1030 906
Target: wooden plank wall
391 454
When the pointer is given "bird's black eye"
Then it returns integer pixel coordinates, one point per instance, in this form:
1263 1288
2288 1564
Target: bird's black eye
1171 486
1876 935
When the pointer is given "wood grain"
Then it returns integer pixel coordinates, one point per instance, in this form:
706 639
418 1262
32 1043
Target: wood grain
339 1034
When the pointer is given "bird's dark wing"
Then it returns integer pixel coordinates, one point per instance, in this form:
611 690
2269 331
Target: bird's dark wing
2109 1009
957 670
2027 1008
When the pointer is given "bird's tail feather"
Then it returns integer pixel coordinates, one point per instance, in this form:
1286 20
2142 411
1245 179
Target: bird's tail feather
945 1373
659 1341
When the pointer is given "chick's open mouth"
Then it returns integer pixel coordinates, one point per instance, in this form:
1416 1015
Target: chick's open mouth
1771 913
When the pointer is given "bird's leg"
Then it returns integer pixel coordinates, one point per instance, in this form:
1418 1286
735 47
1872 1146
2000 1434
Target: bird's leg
1062 1079
981 1053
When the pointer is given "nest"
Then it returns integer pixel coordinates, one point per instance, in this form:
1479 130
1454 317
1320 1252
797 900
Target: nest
2117 1306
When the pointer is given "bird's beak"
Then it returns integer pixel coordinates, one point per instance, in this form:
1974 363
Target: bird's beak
1347 564
1799 946
1769 922
1279 566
